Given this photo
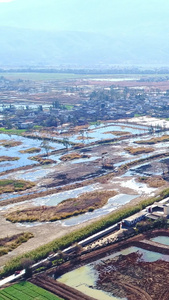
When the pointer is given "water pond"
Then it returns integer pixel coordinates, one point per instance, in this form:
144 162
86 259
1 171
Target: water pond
84 278
161 239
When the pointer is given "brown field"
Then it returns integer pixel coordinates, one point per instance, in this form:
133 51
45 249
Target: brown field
154 182
9 186
9 144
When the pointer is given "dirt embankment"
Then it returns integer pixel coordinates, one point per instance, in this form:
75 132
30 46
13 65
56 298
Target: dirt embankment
59 289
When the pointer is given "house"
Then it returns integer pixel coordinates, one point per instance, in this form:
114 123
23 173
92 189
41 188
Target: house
25 125
158 210
132 220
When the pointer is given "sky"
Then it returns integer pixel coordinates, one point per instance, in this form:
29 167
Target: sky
103 16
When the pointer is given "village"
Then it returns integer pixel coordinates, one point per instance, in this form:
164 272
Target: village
54 103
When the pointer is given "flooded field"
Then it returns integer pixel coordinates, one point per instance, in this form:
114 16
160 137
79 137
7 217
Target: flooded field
23 158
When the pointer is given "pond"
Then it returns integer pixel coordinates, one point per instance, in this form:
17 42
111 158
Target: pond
161 239
84 278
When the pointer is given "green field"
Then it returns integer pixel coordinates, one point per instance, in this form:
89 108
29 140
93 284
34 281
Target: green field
26 291
40 76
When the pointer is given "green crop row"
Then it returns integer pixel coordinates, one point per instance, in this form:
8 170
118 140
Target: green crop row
27 291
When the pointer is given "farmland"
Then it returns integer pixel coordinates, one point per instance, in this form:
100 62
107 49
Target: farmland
27 291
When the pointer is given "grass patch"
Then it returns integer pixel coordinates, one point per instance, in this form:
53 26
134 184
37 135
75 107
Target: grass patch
12 131
42 161
164 138
9 185
71 156
117 133
154 182
10 143
69 107
7 244
26 291
138 150
70 207
8 158
31 150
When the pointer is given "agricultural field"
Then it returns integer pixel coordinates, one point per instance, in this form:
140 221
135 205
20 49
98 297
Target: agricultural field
26 291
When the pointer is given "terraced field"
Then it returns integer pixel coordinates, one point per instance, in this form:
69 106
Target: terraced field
27 291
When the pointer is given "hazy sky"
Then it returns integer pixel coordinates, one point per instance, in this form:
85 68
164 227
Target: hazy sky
108 16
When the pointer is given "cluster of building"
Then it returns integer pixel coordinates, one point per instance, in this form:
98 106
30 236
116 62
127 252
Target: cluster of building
87 103
153 212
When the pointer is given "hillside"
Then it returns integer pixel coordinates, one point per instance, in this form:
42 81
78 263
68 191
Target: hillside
26 47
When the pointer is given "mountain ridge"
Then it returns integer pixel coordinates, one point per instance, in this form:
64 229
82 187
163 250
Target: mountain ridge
27 47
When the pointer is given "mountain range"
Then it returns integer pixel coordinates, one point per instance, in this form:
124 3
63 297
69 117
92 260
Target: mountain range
28 47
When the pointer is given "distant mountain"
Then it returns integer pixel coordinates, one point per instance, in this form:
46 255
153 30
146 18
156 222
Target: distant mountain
24 47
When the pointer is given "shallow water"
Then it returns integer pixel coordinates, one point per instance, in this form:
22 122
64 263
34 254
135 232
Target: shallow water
161 239
96 133
33 175
140 187
23 157
54 199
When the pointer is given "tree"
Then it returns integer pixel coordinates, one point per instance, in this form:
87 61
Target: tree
56 104
27 265
40 108
45 145
66 142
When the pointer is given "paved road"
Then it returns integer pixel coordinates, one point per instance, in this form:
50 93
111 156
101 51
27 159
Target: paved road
11 278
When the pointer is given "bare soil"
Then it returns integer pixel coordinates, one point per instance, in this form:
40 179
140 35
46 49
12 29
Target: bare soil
130 276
